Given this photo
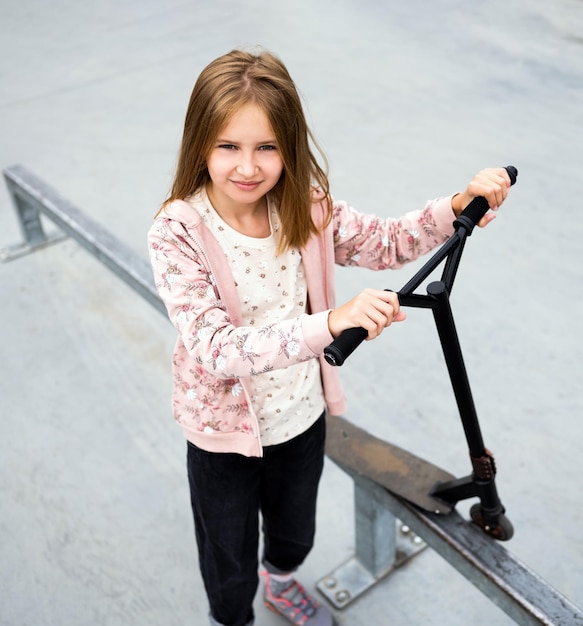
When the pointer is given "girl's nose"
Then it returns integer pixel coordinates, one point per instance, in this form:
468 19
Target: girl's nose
247 165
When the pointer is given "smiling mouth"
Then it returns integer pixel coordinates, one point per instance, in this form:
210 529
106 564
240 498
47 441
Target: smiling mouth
242 184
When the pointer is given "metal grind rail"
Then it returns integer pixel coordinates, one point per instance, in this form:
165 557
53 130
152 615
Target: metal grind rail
388 529
32 198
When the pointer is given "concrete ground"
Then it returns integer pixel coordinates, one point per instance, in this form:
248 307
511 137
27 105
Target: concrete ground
408 99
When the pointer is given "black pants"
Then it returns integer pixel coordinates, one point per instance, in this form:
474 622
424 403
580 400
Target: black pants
228 491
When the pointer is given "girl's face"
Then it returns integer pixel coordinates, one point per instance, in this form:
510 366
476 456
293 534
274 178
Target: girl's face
244 163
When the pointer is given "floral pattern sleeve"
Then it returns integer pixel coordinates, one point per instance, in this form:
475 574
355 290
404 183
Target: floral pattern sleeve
197 309
369 241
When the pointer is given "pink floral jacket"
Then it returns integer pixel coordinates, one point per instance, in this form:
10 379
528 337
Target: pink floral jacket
215 355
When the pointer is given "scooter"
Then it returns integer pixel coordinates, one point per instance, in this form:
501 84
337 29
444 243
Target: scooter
489 513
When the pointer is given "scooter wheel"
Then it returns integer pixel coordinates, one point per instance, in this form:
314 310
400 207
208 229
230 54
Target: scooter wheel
502 529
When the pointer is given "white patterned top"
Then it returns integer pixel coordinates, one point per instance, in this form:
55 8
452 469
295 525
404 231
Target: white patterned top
272 288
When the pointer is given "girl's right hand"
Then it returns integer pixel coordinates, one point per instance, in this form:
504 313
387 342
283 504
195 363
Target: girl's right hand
492 184
371 309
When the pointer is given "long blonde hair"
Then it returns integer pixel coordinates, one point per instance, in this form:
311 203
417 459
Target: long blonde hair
223 87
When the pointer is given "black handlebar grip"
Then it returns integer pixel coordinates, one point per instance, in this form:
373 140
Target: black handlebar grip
478 207
344 345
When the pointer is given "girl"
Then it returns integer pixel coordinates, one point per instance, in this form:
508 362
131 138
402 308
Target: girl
243 252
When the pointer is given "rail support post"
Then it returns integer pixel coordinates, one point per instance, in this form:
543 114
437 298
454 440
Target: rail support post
382 544
31 227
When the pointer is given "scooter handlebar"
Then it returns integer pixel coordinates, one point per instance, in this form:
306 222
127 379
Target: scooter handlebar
478 207
347 342
344 345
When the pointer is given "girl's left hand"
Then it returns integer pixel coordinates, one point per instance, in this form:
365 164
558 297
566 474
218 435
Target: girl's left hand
492 184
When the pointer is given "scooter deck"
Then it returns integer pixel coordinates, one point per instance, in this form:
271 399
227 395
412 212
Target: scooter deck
400 472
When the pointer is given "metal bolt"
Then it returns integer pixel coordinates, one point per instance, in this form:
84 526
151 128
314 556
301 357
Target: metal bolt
330 583
343 596
417 540
405 529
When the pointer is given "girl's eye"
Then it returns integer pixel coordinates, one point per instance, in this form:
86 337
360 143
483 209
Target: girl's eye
231 146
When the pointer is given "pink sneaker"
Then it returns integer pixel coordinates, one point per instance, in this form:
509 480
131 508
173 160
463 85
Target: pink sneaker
295 604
